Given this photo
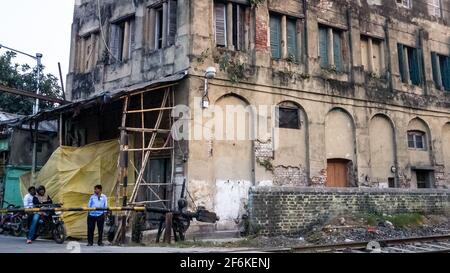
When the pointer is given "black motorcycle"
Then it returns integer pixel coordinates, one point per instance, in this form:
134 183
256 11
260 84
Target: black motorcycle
50 224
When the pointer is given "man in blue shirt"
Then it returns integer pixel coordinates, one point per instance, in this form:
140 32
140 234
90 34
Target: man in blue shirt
97 200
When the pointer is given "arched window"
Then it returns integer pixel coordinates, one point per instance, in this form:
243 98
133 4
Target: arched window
288 116
417 140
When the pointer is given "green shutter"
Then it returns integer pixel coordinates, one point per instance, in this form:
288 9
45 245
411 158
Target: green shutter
337 50
401 65
415 66
323 47
445 72
292 38
435 67
275 39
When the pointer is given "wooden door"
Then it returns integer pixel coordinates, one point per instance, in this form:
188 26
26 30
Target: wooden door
337 173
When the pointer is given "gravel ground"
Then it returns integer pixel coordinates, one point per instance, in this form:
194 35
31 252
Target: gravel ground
340 229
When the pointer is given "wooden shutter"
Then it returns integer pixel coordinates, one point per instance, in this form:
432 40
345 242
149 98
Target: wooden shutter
435 67
275 37
323 47
221 24
337 50
401 64
291 27
445 72
172 28
114 42
415 66
239 25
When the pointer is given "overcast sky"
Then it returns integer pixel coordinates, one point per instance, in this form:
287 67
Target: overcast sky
38 26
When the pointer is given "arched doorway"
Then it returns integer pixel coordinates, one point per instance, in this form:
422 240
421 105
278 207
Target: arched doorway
340 148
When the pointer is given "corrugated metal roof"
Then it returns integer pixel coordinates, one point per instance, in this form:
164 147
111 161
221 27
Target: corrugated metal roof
9 116
106 97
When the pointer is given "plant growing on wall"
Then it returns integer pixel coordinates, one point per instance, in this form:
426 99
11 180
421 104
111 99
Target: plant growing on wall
255 3
203 56
266 163
234 68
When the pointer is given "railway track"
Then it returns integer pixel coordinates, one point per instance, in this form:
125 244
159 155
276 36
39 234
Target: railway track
426 244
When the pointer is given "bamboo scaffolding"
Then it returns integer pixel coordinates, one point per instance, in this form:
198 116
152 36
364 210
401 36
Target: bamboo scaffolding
146 150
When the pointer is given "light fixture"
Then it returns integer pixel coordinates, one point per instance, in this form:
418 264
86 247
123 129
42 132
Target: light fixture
210 73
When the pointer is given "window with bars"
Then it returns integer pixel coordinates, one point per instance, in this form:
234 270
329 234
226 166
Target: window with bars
441 71
416 140
288 116
331 47
410 64
230 28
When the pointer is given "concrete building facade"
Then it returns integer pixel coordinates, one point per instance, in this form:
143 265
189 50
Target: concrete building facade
359 88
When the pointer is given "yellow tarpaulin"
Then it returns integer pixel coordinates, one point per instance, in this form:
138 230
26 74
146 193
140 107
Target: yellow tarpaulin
71 174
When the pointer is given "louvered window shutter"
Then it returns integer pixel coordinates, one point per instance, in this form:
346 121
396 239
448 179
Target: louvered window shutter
114 42
172 31
240 25
401 65
275 39
446 73
221 24
292 38
435 67
415 66
337 50
323 47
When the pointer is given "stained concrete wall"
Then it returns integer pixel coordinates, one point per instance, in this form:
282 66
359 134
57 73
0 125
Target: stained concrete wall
301 159
382 150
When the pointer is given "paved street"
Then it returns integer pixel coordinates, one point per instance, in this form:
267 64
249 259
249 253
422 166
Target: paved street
9 244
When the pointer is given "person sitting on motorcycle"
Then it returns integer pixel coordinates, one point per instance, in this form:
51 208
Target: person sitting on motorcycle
39 199
28 202
42 198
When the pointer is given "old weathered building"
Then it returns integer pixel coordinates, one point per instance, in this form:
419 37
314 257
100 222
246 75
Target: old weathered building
361 89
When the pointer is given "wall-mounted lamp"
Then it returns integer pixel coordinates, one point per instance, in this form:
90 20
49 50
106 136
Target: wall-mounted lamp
393 169
210 73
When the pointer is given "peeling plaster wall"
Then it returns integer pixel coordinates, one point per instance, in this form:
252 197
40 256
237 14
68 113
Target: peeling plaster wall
219 173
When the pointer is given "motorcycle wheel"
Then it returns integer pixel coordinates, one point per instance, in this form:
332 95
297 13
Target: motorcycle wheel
17 230
59 233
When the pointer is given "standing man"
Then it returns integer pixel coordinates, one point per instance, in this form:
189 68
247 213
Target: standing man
97 200
33 218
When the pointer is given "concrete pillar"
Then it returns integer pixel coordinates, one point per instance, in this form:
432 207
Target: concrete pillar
284 50
330 47
230 26
165 24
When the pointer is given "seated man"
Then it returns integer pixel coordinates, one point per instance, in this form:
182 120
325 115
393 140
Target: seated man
28 202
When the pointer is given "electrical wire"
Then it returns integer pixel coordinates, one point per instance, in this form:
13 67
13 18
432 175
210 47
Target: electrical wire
102 32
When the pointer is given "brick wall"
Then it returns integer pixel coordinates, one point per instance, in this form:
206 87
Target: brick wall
291 210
